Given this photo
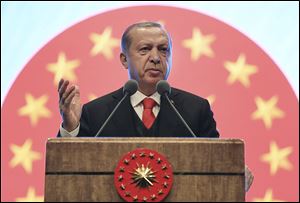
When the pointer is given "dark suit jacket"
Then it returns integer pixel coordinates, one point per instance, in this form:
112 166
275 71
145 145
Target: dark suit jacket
195 111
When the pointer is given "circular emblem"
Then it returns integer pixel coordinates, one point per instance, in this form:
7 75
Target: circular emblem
143 175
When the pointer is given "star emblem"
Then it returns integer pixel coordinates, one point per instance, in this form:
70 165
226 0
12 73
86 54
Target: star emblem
267 198
24 156
267 111
199 44
63 68
240 71
211 99
35 108
92 96
142 178
277 158
30 197
104 43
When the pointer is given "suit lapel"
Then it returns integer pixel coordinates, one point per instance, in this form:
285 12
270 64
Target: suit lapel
122 120
169 121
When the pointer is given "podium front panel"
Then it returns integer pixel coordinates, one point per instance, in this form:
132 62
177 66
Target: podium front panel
82 169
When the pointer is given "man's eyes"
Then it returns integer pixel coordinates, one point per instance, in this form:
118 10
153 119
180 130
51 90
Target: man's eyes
164 49
161 49
144 49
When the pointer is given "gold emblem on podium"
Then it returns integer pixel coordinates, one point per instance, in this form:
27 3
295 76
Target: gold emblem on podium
143 175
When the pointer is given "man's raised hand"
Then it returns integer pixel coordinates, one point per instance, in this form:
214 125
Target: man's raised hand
69 104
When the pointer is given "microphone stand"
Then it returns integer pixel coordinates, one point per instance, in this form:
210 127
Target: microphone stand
111 114
178 114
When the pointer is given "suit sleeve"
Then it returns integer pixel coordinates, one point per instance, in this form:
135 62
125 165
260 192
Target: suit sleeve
84 130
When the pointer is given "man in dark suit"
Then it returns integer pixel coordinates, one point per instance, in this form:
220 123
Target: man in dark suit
127 123
147 55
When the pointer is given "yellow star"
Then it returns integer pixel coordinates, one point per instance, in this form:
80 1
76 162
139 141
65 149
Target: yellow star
211 99
104 43
63 68
92 97
267 198
199 44
30 197
277 158
240 71
267 110
24 156
35 108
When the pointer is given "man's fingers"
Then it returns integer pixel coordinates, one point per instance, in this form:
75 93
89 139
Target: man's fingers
70 97
63 88
59 84
67 93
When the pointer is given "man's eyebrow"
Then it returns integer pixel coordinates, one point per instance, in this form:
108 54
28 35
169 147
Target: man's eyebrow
144 43
147 43
164 44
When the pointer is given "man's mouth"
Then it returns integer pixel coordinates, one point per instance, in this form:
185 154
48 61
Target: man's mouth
154 72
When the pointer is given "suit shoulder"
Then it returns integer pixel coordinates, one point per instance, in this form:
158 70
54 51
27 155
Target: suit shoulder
187 95
105 99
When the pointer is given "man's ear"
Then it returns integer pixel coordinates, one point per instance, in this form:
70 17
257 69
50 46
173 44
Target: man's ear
123 60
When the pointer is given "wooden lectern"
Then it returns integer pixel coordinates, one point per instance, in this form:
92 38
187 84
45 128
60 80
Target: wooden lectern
82 169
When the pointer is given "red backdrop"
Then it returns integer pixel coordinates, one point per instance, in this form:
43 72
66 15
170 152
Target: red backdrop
250 96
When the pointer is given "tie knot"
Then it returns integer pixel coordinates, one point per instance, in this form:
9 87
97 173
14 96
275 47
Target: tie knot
148 103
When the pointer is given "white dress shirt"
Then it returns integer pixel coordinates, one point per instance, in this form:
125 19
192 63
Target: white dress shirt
136 101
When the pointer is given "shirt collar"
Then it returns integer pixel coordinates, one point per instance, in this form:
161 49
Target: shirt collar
138 97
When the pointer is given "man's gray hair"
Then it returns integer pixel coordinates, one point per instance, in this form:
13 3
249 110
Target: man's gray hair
126 40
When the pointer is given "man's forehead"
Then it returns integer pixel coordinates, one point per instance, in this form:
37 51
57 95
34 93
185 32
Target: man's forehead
147 33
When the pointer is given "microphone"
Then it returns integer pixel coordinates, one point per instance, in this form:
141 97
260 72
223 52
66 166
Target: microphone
164 89
129 89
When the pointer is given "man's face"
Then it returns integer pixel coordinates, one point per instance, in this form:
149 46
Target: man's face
148 58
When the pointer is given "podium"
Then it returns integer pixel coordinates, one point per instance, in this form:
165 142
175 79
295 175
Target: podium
82 169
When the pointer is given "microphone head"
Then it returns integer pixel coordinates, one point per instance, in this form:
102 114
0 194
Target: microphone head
130 87
163 87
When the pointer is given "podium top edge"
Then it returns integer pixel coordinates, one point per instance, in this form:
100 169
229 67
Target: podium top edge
142 140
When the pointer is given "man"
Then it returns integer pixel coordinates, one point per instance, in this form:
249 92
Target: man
147 55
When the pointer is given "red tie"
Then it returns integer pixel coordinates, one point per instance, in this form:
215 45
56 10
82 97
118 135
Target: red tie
148 116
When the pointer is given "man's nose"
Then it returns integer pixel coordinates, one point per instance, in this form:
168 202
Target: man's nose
154 58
